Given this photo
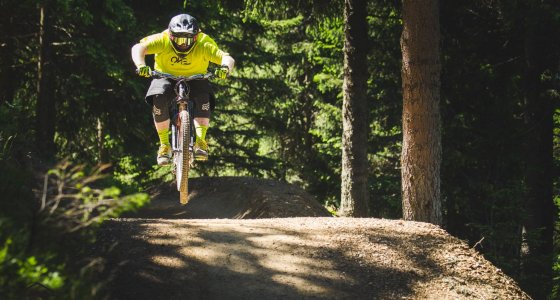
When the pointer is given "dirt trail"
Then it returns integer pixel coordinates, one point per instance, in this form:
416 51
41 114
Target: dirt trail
157 255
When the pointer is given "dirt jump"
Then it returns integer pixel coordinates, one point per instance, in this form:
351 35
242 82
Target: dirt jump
246 238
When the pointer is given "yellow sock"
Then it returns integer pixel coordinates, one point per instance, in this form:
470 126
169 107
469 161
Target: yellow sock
163 136
201 132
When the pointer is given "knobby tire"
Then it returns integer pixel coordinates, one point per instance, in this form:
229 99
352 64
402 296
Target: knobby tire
183 162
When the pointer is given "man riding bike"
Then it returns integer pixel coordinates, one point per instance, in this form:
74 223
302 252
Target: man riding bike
181 50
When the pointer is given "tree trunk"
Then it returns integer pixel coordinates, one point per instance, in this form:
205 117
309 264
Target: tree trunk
7 51
354 186
541 57
102 154
421 152
46 114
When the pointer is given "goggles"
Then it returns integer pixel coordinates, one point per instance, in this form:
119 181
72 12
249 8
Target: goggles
184 40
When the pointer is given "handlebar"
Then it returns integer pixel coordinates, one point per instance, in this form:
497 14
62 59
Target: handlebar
158 74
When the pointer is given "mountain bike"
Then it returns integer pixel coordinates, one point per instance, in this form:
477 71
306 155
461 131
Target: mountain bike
182 129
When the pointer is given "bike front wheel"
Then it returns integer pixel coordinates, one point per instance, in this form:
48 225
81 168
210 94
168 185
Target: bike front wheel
182 159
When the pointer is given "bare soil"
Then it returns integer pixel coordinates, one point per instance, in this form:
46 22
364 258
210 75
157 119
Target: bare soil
246 238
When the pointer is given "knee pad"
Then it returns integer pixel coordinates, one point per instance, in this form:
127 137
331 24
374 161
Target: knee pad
160 109
202 107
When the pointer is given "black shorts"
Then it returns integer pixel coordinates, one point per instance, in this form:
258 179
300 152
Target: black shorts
200 92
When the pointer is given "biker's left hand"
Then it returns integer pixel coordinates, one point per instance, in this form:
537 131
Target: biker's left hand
222 72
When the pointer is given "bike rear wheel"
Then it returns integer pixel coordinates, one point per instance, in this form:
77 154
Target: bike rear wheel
182 159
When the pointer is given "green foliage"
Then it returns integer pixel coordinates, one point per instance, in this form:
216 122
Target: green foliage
278 116
71 201
18 269
28 270
18 273
556 193
33 261
128 173
484 95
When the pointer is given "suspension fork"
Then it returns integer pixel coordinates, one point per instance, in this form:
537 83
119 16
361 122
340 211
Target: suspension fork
184 103
182 98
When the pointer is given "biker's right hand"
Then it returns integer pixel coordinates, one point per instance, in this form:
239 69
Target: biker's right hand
144 71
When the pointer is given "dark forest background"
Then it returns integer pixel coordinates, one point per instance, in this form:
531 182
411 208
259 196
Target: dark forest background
72 107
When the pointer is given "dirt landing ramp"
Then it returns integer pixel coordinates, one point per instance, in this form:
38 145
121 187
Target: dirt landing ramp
233 198
295 258
243 238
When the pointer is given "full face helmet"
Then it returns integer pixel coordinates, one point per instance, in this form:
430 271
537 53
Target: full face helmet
183 31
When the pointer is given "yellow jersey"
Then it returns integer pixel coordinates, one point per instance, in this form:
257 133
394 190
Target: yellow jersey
195 61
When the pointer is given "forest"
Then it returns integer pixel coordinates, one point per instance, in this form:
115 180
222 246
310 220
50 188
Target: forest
314 101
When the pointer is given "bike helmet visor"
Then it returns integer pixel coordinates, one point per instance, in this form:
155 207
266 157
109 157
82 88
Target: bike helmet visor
183 30
183 41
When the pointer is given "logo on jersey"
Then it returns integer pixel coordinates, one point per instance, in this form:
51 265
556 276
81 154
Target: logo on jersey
182 60
157 111
206 106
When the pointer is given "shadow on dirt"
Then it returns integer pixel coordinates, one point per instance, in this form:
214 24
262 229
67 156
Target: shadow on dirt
247 238
255 260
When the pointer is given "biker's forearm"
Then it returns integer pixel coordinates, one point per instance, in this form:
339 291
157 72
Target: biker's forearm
138 53
228 61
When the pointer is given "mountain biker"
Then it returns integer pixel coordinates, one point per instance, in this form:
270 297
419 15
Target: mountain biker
181 50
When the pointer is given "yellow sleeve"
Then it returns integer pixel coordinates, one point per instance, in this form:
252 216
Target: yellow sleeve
212 52
154 43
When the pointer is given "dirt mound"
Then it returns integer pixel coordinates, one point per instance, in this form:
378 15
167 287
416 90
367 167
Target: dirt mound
161 254
233 198
295 258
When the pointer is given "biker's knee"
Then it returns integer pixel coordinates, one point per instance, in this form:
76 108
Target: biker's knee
160 109
202 107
